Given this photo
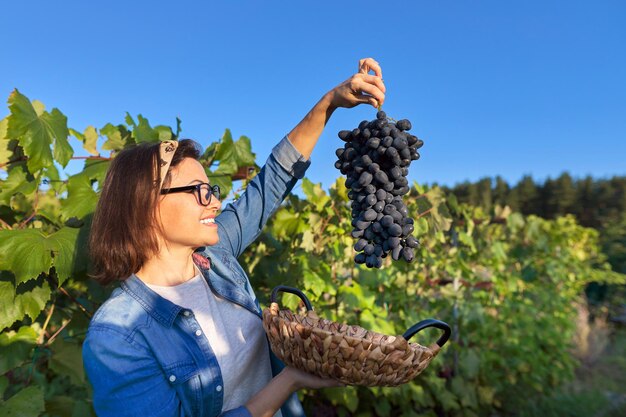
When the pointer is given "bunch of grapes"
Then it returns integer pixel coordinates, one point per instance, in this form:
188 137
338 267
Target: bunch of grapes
375 160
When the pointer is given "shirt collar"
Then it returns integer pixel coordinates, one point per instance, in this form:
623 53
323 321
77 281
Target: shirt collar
162 310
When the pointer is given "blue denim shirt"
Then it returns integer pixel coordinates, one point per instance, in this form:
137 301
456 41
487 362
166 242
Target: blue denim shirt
142 354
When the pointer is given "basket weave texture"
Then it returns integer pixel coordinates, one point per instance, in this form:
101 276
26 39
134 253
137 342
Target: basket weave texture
347 353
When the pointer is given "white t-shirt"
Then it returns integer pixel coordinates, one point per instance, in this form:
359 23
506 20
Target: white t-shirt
235 334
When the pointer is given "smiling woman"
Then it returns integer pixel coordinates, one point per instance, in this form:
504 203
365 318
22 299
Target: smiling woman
183 334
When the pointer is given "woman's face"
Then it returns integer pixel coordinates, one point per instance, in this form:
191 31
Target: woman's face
184 221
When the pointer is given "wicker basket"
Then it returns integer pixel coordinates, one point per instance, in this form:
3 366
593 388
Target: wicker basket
350 354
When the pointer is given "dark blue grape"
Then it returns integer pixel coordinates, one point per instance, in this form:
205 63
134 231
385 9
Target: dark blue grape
403 124
396 252
394 230
407 254
411 242
360 258
381 115
369 215
360 244
386 221
365 178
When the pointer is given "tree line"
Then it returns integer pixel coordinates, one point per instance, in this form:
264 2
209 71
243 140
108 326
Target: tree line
596 203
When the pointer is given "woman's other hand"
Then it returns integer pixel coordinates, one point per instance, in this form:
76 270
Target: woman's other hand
360 88
300 379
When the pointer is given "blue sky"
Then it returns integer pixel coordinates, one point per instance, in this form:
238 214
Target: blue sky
492 87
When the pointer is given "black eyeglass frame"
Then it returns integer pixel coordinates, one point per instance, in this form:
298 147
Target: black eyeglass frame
214 190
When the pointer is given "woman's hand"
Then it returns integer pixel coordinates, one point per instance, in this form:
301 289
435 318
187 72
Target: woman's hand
300 379
362 87
266 402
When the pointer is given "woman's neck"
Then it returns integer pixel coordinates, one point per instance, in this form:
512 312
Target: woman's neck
168 268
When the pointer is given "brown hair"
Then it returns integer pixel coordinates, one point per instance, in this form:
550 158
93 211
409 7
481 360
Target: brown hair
123 232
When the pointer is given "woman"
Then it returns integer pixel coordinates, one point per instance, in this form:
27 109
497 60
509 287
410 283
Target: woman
183 334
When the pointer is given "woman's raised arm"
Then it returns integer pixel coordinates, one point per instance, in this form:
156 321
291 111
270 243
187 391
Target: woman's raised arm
361 88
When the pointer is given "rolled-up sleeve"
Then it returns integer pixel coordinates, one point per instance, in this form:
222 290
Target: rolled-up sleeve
290 159
241 222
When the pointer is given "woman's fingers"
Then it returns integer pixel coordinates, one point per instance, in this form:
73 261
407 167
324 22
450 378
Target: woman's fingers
369 64
367 87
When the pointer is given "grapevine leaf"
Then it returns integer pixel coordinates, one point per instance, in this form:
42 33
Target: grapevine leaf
68 360
243 151
81 198
26 403
96 169
39 107
225 146
57 123
315 194
8 150
36 133
178 127
232 155
15 347
114 141
287 223
143 132
4 125
90 140
14 307
439 214
164 132
67 257
24 252
18 181
227 167
129 120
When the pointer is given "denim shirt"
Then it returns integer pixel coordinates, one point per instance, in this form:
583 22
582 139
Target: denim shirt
146 356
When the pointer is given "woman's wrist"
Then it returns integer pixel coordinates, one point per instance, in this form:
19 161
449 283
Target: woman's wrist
291 379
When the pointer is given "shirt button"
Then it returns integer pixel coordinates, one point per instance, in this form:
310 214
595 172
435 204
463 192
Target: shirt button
198 332
186 313
218 388
172 378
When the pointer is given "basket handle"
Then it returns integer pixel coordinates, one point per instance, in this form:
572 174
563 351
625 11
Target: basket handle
284 288
430 323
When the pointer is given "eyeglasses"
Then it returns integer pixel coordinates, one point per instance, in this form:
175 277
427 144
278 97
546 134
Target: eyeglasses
203 191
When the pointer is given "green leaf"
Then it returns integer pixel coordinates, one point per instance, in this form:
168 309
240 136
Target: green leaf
28 253
26 403
129 120
232 155
114 141
143 132
96 169
14 307
36 133
4 383
287 223
91 140
69 257
164 132
81 198
4 125
57 123
15 347
67 359
18 180
315 194
25 252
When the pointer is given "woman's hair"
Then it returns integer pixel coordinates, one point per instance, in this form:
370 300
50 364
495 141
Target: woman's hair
124 229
